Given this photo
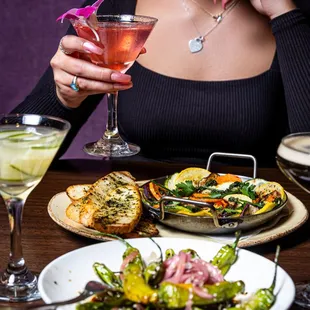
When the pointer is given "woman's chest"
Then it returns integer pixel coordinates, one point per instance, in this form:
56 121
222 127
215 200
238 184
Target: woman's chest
236 48
225 113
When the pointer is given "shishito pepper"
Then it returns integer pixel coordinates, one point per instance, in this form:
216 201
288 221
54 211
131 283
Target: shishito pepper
226 256
264 298
134 285
177 295
106 275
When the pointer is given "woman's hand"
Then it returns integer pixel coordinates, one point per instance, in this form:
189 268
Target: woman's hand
271 8
91 79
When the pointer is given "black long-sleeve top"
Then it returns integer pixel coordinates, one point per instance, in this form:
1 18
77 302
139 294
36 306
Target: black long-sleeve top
172 118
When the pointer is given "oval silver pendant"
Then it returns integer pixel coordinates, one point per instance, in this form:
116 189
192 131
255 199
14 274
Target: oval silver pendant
195 45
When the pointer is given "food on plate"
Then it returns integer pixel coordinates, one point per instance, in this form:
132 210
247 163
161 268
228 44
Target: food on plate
180 281
111 205
76 192
228 193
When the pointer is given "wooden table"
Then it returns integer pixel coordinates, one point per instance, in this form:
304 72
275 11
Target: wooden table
44 240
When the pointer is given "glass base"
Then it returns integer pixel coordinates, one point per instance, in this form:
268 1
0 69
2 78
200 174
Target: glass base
113 147
18 287
303 294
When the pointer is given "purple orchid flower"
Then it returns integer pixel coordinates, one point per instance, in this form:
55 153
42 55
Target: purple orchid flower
83 12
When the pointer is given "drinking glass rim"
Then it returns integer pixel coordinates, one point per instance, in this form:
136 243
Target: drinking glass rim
295 134
54 118
149 19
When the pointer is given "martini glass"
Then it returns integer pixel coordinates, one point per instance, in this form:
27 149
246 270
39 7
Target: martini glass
293 159
28 144
121 37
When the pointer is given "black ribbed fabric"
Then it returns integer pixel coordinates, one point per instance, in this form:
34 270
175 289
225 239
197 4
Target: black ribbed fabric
173 118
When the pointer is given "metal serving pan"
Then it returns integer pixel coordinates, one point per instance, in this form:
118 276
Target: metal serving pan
208 224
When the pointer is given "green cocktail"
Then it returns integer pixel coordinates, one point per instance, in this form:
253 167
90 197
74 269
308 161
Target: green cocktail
28 144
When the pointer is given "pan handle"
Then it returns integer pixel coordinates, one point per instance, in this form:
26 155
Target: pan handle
234 155
232 224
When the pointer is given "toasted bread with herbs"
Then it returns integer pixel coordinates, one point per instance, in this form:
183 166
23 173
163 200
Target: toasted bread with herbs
112 204
119 215
76 192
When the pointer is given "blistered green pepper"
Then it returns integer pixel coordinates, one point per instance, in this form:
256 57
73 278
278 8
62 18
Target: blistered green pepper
226 256
264 298
135 287
177 295
106 275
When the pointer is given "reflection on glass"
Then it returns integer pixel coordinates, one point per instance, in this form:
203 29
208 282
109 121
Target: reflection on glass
293 159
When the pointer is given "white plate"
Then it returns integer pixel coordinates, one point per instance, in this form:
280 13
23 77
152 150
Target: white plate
292 217
67 275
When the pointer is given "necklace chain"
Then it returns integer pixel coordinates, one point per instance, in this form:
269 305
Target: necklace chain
196 44
218 17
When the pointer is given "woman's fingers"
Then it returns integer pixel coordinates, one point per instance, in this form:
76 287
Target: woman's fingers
70 44
90 86
85 69
91 79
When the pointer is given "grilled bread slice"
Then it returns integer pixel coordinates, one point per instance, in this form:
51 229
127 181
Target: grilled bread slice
111 182
76 192
73 211
118 213
101 198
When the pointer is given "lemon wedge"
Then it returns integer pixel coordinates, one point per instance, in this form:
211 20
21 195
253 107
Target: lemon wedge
170 181
191 174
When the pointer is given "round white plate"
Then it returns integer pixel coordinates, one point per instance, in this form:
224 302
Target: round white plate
292 217
67 275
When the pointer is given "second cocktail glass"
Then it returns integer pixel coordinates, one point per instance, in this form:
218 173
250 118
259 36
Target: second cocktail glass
121 37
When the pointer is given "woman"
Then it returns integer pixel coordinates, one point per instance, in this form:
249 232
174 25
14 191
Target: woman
239 89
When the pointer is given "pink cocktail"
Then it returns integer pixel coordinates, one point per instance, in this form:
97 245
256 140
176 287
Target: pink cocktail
121 37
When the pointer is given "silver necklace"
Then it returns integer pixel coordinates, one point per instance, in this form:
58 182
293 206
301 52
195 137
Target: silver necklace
218 17
196 45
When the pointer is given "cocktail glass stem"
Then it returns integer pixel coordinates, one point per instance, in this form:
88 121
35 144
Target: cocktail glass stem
111 128
17 282
111 144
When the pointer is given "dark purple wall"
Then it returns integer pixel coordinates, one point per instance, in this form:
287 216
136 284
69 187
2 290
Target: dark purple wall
29 37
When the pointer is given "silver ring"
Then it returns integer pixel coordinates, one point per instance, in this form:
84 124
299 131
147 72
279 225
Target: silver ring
62 48
74 85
